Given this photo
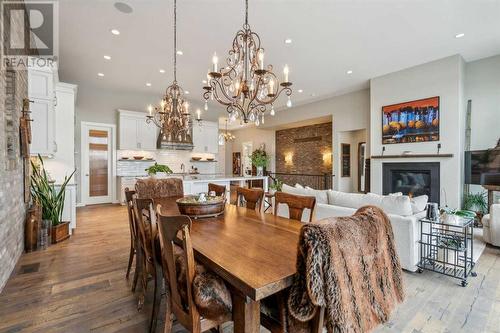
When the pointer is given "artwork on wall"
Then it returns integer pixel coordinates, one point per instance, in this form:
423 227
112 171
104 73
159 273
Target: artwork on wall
237 163
415 121
346 160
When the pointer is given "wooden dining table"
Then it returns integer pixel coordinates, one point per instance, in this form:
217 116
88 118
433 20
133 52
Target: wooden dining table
255 253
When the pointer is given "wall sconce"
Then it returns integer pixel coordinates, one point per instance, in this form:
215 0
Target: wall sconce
327 158
289 158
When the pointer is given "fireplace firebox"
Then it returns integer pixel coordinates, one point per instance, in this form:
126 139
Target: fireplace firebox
413 178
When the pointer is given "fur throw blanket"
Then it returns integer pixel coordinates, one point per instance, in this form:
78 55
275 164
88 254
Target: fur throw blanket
349 266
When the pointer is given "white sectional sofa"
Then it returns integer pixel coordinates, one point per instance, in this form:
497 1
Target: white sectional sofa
403 212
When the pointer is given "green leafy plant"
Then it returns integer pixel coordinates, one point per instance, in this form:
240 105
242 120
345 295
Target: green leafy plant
259 158
44 191
476 202
276 185
154 169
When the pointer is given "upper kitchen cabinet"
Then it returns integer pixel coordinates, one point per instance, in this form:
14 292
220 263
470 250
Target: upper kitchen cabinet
41 92
134 132
205 137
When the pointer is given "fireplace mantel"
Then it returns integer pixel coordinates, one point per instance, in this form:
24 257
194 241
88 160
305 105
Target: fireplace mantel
413 156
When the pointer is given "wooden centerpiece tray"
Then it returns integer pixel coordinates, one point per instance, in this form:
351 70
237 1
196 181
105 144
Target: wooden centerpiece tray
191 206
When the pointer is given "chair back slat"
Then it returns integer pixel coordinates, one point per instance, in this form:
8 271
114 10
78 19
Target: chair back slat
220 190
169 227
146 233
252 196
129 197
296 204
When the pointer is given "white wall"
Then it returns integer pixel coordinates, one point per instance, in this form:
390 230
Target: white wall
443 78
482 86
350 184
257 136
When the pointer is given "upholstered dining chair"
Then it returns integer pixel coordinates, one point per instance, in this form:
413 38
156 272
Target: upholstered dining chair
159 188
252 197
296 204
129 197
220 190
147 249
198 298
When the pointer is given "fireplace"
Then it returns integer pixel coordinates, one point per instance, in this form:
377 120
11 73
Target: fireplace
412 179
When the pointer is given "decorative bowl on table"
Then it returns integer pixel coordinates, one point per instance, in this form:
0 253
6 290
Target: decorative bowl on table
202 205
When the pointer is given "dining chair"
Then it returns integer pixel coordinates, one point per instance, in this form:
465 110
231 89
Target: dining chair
181 272
129 197
296 204
253 197
220 190
159 188
150 264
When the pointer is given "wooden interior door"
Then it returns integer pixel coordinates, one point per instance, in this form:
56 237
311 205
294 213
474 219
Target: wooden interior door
97 165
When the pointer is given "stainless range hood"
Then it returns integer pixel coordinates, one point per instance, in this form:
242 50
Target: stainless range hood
163 143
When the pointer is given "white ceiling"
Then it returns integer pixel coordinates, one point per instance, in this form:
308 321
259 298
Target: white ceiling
369 37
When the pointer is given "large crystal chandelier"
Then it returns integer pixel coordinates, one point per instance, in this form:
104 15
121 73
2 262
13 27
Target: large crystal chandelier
172 115
245 86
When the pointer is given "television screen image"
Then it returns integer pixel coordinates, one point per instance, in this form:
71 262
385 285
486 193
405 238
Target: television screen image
415 121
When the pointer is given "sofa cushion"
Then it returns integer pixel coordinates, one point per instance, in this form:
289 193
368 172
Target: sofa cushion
419 203
321 195
373 199
399 205
343 199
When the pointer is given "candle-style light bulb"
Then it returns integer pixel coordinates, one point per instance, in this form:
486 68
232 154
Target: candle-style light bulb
150 110
286 70
186 107
271 86
198 114
215 61
162 103
261 58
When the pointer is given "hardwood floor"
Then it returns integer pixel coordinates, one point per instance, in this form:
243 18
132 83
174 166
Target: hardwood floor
80 286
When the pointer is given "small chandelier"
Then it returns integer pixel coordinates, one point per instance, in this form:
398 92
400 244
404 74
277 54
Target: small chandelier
245 87
225 136
172 115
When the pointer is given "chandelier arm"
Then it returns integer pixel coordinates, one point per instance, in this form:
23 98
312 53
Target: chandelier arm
216 83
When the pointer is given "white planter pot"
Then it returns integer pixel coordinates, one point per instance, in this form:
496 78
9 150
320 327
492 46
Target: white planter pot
260 171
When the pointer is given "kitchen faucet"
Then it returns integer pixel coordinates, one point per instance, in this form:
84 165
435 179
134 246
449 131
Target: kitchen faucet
183 168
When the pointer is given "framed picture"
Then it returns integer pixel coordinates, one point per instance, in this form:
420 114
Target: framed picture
346 160
415 121
237 163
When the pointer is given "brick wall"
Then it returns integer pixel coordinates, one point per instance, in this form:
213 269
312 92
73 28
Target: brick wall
13 88
304 150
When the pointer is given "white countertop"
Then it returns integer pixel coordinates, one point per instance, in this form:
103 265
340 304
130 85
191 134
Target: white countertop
200 178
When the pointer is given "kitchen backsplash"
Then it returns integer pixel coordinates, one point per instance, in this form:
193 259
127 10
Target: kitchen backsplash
174 159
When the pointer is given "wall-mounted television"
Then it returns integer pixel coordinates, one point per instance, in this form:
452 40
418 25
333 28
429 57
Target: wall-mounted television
415 121
482 167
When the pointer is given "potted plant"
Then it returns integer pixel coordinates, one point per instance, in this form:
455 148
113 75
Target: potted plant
259 160
476 202
275 186
52 201
158 169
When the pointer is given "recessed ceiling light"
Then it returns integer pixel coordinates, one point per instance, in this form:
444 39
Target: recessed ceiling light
115 32
107 57
300 91
162 71
179 52
123 7
460 35
288 41
186 92
349 71
100 74
148 84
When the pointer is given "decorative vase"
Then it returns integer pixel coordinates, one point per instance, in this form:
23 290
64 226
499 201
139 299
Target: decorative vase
45 236
260 171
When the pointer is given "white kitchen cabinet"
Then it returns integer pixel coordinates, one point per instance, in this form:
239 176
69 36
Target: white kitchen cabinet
42 127
135 133
41 84
206 137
